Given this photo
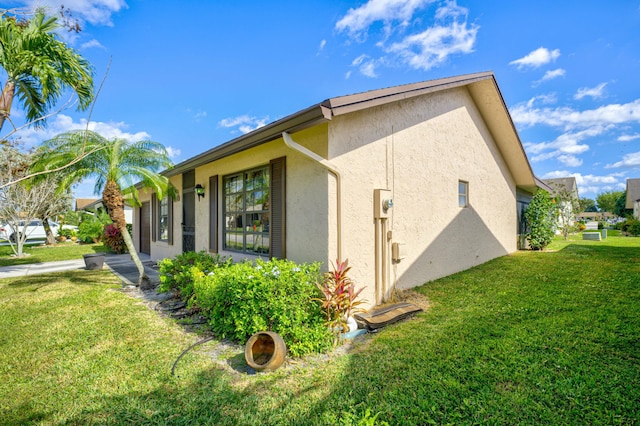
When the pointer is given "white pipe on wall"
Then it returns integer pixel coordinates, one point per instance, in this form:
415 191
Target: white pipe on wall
288 141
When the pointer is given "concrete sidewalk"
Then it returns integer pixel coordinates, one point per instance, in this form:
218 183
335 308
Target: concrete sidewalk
120 264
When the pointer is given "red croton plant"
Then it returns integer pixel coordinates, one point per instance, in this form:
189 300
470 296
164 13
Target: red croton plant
339 300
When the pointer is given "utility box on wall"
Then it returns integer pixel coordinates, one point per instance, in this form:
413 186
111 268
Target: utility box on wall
382 203
397 251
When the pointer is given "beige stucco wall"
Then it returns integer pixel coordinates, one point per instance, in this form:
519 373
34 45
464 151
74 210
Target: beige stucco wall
420 149
307 210
636 210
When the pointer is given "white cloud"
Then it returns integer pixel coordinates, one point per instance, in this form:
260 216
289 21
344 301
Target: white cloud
95 12
537 58
550 75
91 44
631 160
63 123
244 123
358 20
323 43
594 92
568 118
432 47
173 152
628 138
424 47
570 160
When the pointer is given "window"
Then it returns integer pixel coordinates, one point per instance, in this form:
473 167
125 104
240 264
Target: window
163 219
463 193
246 211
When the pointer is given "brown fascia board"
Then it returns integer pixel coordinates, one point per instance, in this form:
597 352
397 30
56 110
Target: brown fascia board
351 103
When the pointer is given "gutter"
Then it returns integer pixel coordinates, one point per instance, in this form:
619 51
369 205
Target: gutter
289 142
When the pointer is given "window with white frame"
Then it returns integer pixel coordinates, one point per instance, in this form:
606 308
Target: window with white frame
246 211
463 193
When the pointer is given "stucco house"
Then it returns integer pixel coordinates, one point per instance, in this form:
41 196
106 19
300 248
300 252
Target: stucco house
633 197
409 183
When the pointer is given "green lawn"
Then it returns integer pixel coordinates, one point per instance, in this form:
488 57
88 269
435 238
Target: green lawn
531 338
41 253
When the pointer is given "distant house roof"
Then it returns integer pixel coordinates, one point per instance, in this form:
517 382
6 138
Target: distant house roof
633 192
482 87
82 203
567 183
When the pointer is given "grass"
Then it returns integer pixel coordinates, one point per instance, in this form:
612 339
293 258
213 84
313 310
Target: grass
530 338
39 252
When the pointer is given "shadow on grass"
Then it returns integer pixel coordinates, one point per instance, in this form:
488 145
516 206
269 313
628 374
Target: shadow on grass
42 280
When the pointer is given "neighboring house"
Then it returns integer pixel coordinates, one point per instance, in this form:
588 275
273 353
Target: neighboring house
96 205
633 197
81 203
565 192
409 183
596 216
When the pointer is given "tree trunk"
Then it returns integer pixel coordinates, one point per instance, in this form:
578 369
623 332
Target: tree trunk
6 100
114 202
51 239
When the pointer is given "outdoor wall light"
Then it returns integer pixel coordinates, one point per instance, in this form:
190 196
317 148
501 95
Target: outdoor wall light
200 191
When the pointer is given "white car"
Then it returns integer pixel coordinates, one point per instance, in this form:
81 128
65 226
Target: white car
35 230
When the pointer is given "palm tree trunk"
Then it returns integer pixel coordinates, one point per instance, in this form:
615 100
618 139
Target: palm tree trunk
6 100
114 202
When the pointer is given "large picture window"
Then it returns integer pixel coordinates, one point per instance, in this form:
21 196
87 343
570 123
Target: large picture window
246 211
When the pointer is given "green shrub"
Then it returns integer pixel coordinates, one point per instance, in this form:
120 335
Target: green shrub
92 227
246 298
179 273
66 232
540 220
633 227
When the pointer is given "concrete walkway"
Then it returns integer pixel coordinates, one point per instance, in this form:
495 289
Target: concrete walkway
120 264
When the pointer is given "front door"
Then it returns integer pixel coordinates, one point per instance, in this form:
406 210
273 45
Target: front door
145 228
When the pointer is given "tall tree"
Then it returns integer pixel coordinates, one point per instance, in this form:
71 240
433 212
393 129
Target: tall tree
588 205
117 165
620 209
39 67
25 201
607 200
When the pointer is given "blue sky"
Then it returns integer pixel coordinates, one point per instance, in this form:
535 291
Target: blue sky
194 74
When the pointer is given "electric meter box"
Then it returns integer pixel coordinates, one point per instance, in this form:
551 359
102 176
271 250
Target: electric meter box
382 203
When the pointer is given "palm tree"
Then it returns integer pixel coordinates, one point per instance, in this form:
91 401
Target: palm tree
117 166
39 67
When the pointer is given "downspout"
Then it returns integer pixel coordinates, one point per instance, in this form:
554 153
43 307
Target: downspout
288 141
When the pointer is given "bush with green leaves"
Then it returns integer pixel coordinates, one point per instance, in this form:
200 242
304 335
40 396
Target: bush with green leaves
67 232
540 220
249 297
630 226
92 227
180 272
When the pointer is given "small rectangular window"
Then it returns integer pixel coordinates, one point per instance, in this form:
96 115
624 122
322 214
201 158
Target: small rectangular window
163 222
463 193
